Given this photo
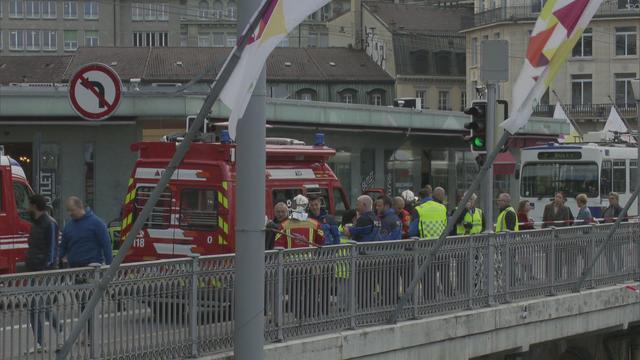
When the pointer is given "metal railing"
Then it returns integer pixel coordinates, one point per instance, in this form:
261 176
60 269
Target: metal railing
184 307
587 111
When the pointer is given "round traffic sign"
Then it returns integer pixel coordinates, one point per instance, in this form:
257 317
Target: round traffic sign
95 91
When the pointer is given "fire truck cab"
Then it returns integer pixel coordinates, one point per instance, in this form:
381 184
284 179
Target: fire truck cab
14 206
196 212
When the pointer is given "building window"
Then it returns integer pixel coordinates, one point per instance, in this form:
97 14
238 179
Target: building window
203 10
584 46
420 61
496 36
91 38
537 5
49 40
204 40
581 89
313 40
32 40
474 51
232 10
347 96
422 94
443 63
284 42
70 40
16 8
306 95
218 40
90 9
162 10
463 100
32 9
626 41
376 97
70 10
443 100
149 11
137 11
184 39
49 9
624 91
150 39
218 10
16 40
231 40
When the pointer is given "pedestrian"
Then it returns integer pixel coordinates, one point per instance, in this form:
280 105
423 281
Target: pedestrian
524 221
328 223
390 223
439 195
429 219
611 213
472 220
42 255
614 250
404 215
556 213
507 218
299 230
280 214
367 226
409 200
584 214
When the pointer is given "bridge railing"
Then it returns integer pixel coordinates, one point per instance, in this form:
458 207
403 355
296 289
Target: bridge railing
184 307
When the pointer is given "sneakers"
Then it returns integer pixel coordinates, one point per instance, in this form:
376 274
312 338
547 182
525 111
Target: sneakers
39 349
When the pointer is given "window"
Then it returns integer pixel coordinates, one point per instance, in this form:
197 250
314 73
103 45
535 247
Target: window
163 39
443 100
474 51
1 40
496 36
184 39
463 100
347 96
443 63
218 40
90 9
626 41
584 46
16 8
22 193
150 39
16 39
218 10
313 40
70 10
284 195
203 10
91 38
633 174
49 9
581 89
160 216
284 42
33 40
537 5
149 11
619 176
624 91
231 40
306 95
232 10
420 62
49 40
137 11
32 9
545 179
162 10
339 204
605 178
204 40
422 94
198 209
70 40
376 97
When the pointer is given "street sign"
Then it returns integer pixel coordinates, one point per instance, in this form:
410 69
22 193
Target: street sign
494 60
95 91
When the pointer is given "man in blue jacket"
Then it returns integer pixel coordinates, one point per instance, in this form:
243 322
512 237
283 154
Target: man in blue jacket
85 239
391 226
367 226
328 223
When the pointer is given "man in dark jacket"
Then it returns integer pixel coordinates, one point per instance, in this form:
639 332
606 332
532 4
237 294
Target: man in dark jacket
390 223
85 239
280 214
367 226
328 223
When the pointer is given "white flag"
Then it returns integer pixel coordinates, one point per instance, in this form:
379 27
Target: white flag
573 136
616 124
282 17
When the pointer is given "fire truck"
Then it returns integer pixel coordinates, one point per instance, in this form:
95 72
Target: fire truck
14 206
195 213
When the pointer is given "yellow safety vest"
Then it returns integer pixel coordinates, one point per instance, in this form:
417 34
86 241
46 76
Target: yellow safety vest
501 224
475 220
342 267
432 219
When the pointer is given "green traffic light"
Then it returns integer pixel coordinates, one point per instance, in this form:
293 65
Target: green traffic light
478 142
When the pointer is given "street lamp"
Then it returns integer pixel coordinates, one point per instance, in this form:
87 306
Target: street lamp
635 86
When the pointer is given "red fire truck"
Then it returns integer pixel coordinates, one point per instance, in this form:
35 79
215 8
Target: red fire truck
14 204
195 213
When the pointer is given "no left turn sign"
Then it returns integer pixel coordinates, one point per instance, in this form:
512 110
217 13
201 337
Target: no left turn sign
95 91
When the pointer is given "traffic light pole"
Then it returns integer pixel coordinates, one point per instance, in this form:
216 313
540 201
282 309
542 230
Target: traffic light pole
486 190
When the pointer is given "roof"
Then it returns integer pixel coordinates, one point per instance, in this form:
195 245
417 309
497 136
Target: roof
181 64
420 18
39 69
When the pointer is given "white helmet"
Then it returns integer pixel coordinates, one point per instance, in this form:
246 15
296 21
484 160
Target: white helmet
299 207
408 196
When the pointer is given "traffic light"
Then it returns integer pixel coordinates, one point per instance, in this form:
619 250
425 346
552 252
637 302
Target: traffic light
477 137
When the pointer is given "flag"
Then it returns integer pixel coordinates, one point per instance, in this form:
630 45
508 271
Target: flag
556 31
281 17
573 136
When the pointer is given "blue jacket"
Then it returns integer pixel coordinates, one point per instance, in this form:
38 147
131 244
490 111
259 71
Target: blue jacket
329 227
86 241
366 228
391 226
415 219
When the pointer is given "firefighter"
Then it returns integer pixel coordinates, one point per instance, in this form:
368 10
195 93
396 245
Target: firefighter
299 230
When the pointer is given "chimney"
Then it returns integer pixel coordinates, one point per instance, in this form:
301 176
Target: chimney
356 11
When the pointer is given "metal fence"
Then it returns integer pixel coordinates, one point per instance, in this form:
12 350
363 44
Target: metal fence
181 308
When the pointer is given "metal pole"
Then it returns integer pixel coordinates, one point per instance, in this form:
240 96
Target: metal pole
638 143
486 191
250 205
450 224
181 151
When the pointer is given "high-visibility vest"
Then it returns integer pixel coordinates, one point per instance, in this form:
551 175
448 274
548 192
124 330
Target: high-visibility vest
308 229
501 223
475 220
342 267
432 219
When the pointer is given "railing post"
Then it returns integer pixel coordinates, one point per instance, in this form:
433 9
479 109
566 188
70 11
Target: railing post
637 275
279 296
592 252
352 283
509 273
552 262
416 266
491 271
470 272
193 305
93 323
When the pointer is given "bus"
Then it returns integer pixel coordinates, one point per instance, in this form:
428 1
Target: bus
592 169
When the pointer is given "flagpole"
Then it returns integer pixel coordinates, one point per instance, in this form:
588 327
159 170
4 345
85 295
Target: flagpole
181 150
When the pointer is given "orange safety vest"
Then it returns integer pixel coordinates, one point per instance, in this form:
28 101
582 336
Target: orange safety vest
309 230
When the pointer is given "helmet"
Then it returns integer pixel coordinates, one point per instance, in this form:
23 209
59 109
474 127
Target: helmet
300 203
408 196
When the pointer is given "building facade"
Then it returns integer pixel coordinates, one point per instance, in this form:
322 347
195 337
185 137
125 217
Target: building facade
57 26
419 45
596 75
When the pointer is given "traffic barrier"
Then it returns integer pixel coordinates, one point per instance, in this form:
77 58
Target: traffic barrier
184 307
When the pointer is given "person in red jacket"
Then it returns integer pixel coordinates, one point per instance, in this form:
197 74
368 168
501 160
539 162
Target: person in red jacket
403 214
523 215
299 230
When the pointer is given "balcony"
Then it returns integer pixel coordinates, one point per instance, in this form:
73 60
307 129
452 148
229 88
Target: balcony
531 10
580 112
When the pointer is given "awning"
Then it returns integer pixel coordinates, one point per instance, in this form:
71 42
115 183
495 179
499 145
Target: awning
505 164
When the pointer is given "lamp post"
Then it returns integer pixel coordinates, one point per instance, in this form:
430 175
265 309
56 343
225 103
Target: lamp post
635 86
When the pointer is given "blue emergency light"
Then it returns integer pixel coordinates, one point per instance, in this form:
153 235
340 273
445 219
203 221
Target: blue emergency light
319 139
225 138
